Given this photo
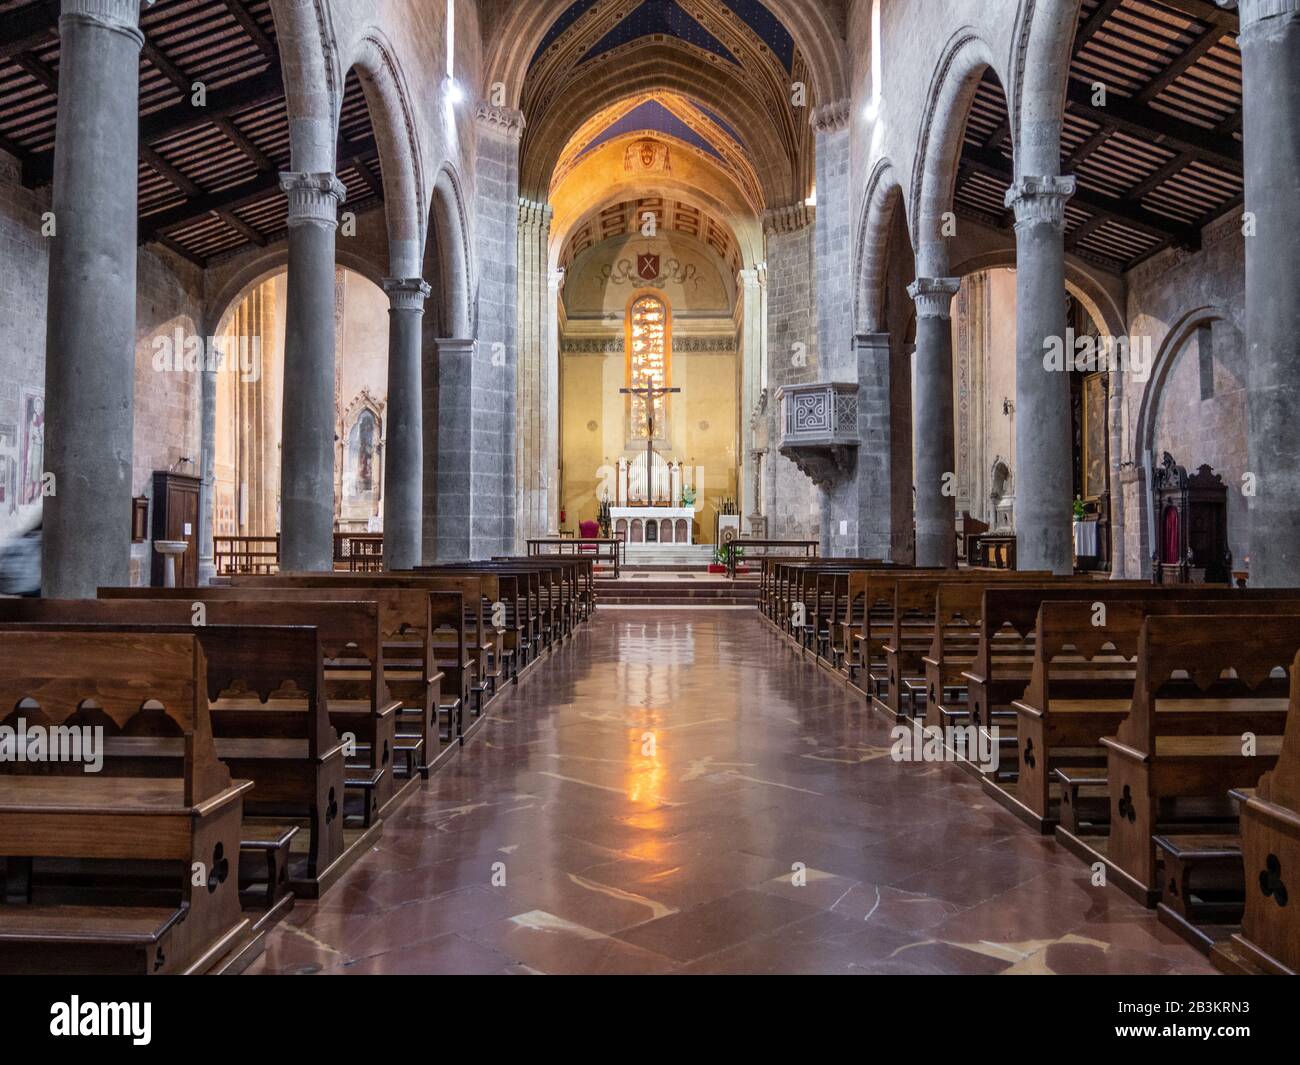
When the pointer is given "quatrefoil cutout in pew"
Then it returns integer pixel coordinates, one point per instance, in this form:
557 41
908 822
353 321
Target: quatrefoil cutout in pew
1271 883
331 807
1126 807
1030 759
219 870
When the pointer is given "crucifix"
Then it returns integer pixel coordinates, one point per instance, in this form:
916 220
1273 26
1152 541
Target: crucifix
651 393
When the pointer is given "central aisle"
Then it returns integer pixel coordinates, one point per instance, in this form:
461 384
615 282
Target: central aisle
639 804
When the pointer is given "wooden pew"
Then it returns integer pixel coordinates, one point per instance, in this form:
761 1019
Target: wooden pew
1160 758
453 645
270 720
1269 940
352 643
1082 684
60 814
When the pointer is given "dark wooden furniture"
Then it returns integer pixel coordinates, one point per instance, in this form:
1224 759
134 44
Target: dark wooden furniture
995 551
735 549
176 517
1191 525
115 825
970 528
246 554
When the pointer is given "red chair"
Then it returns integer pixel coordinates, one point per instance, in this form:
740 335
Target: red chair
588 530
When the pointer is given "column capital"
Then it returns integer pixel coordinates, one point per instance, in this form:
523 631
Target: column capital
505 121
407 293
1039 200
313 198
789 219
831 117
750 277
873 340
534 214
119 16
1253 12
933 296
456 345
556 277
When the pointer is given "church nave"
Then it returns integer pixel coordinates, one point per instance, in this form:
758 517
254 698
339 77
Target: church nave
641 807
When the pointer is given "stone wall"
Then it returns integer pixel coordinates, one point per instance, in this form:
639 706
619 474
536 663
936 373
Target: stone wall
24 269
793 506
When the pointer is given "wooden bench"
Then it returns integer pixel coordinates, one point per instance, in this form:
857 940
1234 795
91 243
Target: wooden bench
1269 940
269 717
1158 757
360 707
108 823
1082 683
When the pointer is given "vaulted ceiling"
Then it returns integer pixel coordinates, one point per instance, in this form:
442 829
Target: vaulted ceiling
670 117
1157 158
209 175
730 63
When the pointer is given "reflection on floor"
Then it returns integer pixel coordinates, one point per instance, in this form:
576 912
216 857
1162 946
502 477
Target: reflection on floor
674 792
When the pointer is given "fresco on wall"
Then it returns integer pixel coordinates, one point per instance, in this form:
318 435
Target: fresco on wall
361 464
8 469
33 450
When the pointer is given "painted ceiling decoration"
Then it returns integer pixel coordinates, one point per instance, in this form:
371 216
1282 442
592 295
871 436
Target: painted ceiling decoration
740 43
622 219
652 117
659 18
667 118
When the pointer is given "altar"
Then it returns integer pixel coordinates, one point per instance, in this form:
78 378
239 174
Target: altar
653 525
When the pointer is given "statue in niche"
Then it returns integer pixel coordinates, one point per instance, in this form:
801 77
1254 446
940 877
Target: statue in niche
1001 496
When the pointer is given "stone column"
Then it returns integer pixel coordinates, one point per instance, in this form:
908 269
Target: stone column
208 466
834 233
307 440
551 432
876 452
1044 479
936 462
495 384
751 383
1270 49
450 401
404 439
90 313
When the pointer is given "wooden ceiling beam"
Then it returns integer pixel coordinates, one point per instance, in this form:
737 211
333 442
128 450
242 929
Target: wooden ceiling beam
1134 215
230 199
25 28
254 31
1142 120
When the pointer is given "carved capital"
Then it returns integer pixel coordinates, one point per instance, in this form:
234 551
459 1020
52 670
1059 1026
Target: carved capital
407 293
1253 12
933 296
788 219
313 199
117 16
535 215
1040 200
832 117
504 121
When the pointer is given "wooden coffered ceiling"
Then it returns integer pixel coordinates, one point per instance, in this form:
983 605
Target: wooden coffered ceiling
209 175
1159 160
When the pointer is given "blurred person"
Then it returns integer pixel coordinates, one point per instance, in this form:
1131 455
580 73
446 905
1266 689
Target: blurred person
20 561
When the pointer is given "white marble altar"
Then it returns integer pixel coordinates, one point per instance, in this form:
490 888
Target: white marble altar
664 525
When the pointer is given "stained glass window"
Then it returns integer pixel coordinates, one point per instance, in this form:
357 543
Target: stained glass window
648 361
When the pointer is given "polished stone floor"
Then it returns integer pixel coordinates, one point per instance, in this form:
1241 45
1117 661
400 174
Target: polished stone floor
674 791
